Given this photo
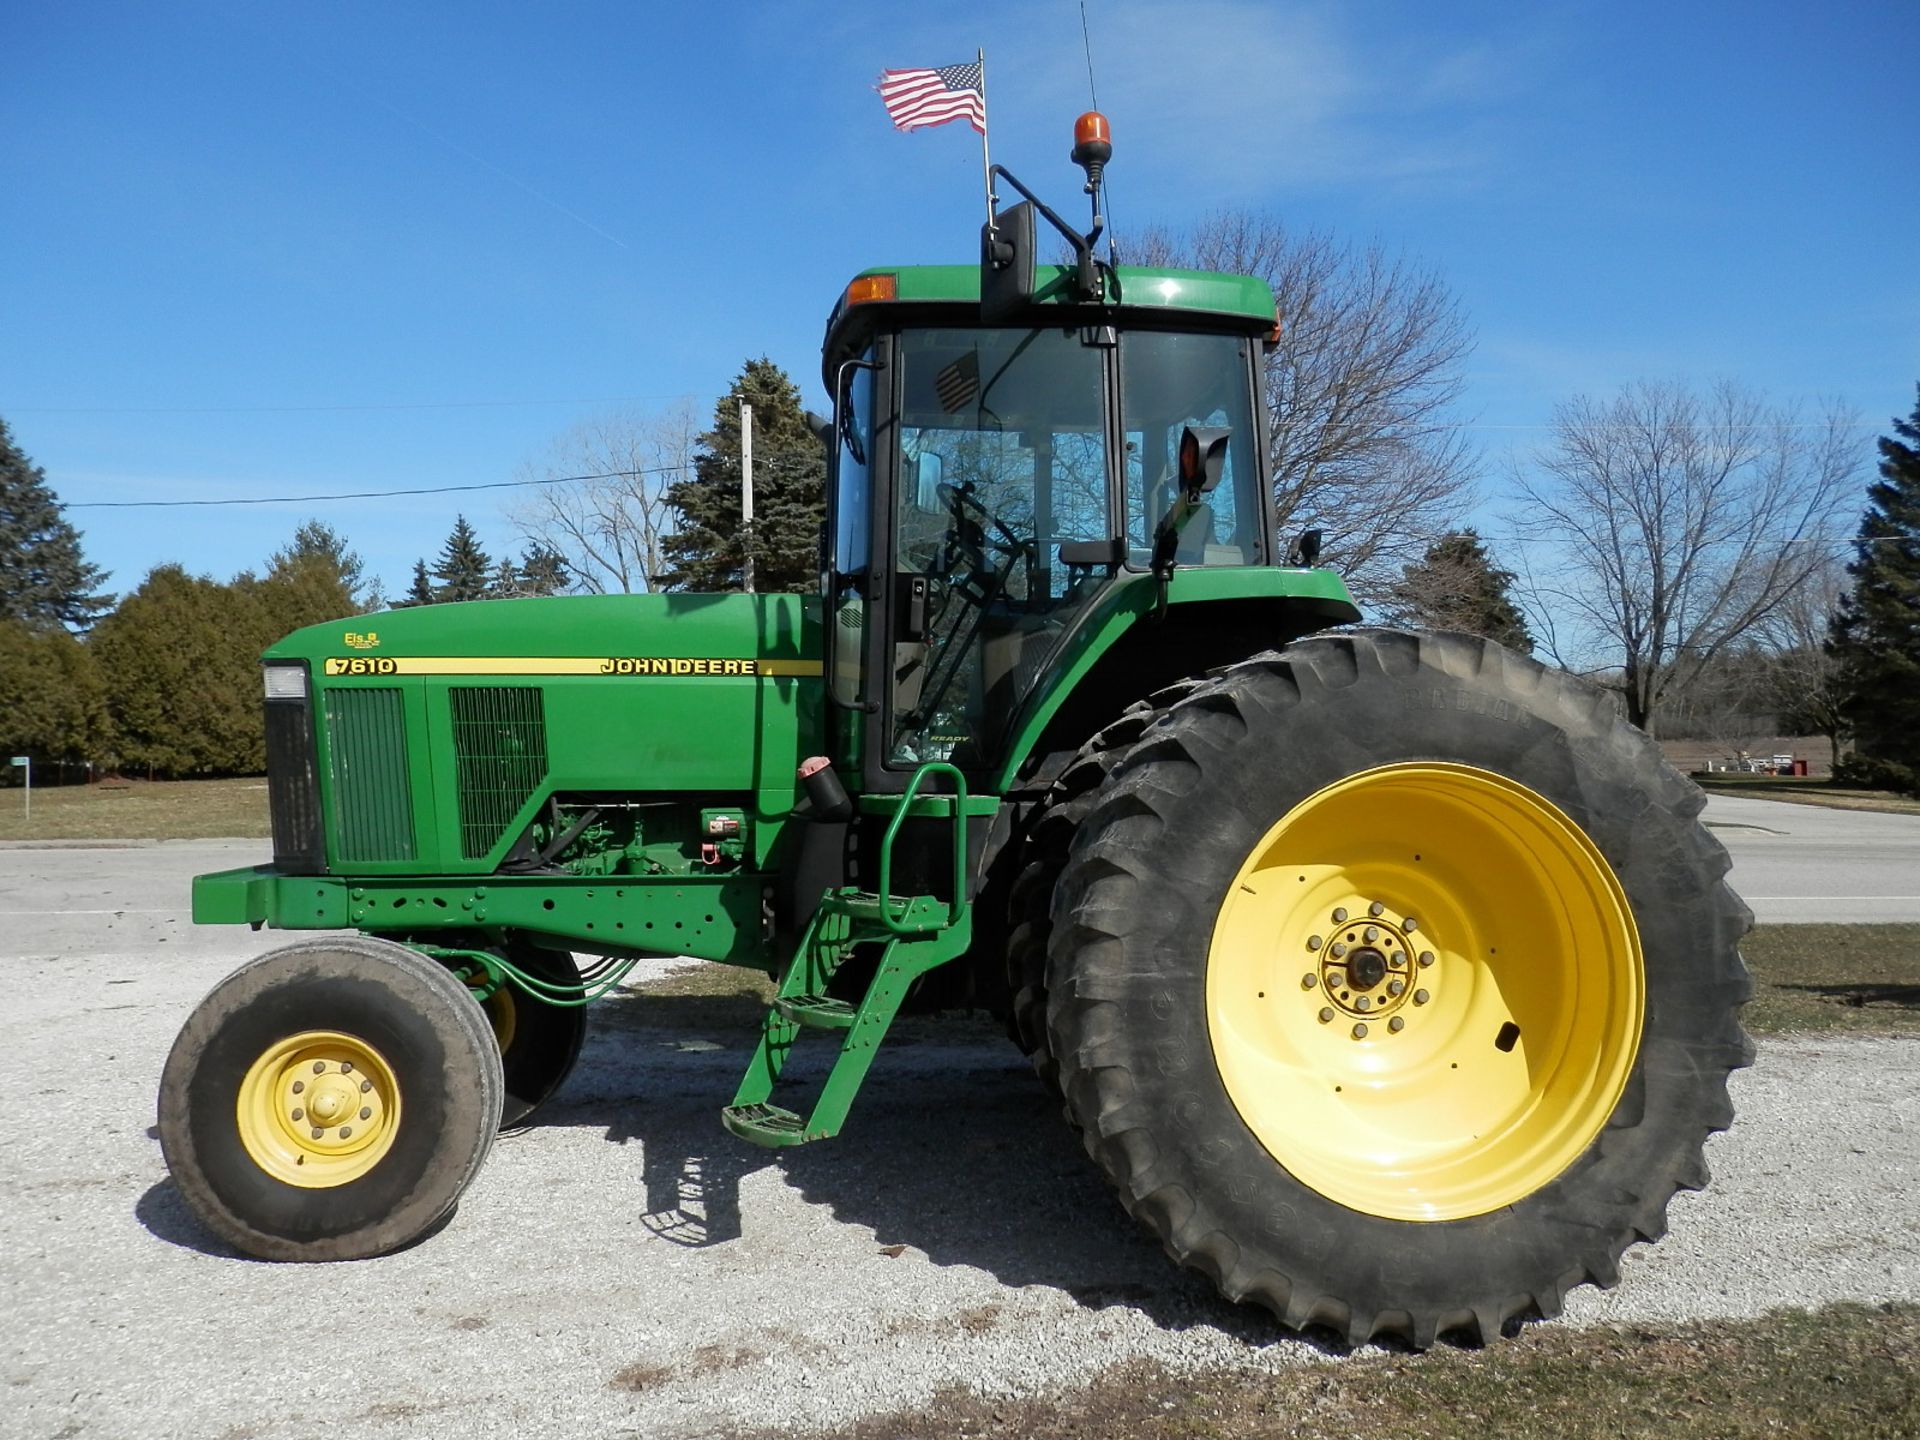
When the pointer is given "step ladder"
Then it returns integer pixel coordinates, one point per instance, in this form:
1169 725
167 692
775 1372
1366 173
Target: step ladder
916 933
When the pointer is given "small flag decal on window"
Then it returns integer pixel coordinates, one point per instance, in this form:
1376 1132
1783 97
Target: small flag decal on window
957 384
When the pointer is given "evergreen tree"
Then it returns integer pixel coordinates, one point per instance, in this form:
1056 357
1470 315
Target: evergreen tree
1456 586
464 570
1876 634
53 702
505 584
420 592
181 660
789 494
317 547
43 577
543 571
316 578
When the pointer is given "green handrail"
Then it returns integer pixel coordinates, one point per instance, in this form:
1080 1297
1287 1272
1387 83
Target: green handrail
959 901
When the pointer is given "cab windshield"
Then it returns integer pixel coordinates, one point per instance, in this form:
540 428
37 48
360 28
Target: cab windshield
1010 504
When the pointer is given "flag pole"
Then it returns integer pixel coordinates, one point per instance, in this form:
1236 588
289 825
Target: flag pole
986 163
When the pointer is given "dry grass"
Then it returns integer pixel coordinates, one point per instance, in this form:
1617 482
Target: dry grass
1823 793
138 810
1854 978
1850 1372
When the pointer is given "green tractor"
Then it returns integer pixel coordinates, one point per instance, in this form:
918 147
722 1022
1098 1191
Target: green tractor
1389 976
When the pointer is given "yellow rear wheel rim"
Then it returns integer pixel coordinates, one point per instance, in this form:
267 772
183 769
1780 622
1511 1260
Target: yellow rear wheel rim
318 1109
1425 991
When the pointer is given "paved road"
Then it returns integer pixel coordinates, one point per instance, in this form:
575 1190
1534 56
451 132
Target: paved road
626 1268
1804 863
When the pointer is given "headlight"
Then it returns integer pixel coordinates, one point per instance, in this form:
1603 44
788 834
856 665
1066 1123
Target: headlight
285 682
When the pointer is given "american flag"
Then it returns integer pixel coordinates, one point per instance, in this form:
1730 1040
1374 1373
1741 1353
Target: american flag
918 99
958 383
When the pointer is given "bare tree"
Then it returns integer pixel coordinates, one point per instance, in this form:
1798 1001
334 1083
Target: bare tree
1812 689
608 525
1371 358
1677 524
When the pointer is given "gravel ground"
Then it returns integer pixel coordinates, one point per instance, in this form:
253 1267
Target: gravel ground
626 1267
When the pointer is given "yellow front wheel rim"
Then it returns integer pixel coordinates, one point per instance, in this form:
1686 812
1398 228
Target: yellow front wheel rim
1425 991
318 1109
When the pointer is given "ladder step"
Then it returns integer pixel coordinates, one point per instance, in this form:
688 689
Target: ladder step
766 1125
917 912
820 1011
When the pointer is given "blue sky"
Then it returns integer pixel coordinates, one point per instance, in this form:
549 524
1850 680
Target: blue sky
257 248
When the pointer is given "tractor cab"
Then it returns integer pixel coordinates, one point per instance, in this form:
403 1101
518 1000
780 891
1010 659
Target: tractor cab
992 483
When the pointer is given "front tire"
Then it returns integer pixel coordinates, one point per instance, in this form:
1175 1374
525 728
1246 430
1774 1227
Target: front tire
330 1100
1516 1057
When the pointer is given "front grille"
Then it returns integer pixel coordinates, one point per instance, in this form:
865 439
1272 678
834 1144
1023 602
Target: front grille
500 757
293 788
372 801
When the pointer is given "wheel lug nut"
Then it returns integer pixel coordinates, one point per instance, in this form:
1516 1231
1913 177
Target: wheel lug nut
1326 1014
298 1086
1376 909
318 1132
365 1114
1371 933
345 1131
365 1086
1397 959
1420 997
1397 1024
1339 949
299 1114
1409 924
1313 942
1426 958
319 1066
1396 985
1359 1032
1309 980
346 1066
1363 1004
1340 916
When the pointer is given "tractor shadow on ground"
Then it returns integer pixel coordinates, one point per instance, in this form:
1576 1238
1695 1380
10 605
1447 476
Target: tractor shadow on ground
1863 995
953 1149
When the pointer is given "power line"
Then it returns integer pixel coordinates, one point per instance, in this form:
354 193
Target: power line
367 494
317 409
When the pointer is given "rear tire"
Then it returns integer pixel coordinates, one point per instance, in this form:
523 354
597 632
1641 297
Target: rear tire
1444 1174
539 1043
330 1100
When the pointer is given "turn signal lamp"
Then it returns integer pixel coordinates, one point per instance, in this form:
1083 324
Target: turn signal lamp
1273 336
869 288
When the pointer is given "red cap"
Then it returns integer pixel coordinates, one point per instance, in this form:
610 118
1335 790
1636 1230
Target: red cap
813 765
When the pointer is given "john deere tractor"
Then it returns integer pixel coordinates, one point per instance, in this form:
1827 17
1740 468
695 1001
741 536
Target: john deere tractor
1388 976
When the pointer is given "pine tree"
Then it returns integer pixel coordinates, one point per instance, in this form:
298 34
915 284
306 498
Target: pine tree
315 578
43 577
53 702
505 584
1456 586
464 570
789 490
420 592
318 547
1876 634
543 571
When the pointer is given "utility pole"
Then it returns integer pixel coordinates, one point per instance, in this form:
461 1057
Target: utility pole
746 494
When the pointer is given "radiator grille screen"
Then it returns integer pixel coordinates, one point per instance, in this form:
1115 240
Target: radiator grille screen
500 751
373 804
293 788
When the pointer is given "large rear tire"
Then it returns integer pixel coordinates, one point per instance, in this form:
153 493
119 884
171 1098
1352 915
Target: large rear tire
330 1100
539 1042
1394 984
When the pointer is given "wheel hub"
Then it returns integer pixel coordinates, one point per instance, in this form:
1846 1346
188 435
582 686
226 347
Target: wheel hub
318 1109
1366 966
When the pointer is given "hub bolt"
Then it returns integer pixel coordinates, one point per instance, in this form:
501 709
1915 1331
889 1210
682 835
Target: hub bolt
1313 942
365 1114
1340 916
1420 997
299 1114
1426 958
1371 934
1309 980
1396 985
1397 1024
298 1086
1339 950
1376 909
318 1066
345 1066
1326 1014
1363 1004
345 1131
1359 1032
1409 924
365 1086
318 1132
1397 959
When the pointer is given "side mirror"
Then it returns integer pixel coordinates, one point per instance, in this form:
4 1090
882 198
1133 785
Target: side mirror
1306 549
1203 458
1007 265
822 428
928 471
